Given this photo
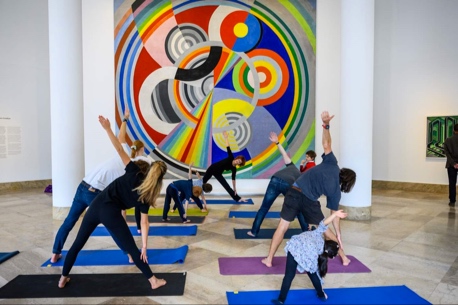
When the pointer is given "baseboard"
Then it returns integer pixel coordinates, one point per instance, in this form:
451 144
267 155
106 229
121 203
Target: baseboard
408 186
24 185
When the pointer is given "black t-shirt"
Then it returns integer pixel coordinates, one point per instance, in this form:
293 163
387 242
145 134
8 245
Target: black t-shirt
121 192
222 165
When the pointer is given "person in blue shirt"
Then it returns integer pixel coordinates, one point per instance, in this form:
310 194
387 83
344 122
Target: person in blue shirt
184 188
324 179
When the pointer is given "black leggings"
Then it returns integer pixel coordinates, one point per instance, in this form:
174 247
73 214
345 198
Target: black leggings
110 216
290 273
219 176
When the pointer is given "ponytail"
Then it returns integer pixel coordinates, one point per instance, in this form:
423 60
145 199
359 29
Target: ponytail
330 250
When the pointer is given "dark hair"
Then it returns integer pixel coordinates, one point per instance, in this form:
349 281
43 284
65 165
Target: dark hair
347 179
331 248
455 128
242 158
311 154
207 187
144 166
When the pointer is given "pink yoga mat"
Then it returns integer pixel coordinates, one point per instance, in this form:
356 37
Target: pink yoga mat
253 265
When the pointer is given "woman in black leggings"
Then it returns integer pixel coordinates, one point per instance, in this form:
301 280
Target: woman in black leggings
135 188
216 170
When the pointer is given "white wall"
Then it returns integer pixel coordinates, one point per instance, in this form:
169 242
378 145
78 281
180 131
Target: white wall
24 88
416 72
416 75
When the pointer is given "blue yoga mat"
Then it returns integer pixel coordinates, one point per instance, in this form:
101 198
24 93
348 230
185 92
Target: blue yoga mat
227 201
154 231
252 214
116 257
4 256
359 295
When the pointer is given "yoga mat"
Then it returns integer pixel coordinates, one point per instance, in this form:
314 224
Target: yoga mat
358 295
264 233
251 214
4 256
158 212
173 219
91 285
116 257
253 265
227 201
154 231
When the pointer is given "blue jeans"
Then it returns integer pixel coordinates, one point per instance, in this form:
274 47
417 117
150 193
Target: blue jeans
172 192
81 201
276 187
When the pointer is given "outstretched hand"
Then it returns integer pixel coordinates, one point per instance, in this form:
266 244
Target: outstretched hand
126 112
104 122
273 137
340 214
326 117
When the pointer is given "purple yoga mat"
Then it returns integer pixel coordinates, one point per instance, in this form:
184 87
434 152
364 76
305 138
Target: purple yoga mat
253 265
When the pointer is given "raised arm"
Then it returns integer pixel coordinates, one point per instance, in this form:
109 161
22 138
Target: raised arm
226 138
122 130
274 138
339 213
116 144
326 140
190 170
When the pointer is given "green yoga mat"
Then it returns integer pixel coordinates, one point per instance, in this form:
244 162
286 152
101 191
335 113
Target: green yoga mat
91 285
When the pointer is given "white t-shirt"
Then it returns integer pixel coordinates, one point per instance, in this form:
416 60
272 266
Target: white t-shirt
107 172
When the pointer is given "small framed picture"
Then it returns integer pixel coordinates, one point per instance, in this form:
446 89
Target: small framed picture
439 128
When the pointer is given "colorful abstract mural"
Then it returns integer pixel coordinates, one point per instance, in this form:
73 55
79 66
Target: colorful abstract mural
189 70
439 128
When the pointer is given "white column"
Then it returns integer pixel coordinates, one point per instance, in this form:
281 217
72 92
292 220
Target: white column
357 82
66 95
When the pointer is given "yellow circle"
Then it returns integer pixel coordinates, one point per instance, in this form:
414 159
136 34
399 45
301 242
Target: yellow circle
240 30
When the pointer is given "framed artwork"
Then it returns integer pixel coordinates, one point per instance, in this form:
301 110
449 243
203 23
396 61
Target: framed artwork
439 128
188 70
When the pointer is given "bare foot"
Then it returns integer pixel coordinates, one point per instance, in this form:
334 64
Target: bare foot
156 283
63 281
345 260
173 210
266 261
251 234
55 257
187 221
204 210
242 200
168 219
139 231
130 259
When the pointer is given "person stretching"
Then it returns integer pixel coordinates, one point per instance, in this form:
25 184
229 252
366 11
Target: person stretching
216 170
134 188
324 179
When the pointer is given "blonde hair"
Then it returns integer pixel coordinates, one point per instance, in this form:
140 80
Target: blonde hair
151 187
136 146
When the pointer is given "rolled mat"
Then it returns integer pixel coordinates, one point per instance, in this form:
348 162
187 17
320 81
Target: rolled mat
154 231
117 257
173 219
158 212
253 265
264 233
4 256
358 295
252 214
91 285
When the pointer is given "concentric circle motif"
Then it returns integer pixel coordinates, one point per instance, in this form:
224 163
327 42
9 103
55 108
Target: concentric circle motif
190 70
